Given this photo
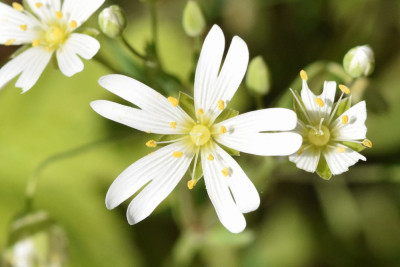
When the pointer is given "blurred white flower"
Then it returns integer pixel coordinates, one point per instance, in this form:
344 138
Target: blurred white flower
48 29
228 187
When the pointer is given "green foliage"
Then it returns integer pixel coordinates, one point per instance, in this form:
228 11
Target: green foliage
323 169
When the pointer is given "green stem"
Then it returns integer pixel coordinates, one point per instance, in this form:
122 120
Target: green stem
132 49
105 63
259 102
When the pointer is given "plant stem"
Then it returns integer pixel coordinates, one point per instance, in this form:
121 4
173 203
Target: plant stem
131 48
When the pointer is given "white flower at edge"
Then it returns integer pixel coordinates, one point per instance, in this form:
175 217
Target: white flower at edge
50 29
324 135
230 190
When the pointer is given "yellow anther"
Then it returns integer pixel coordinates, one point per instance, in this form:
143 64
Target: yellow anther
173 124
35 43
200 111
221 104
225 171
177 154
222 129
23 27
344 89
367 143
300 151
210 157
173 101
17 6
9 42
59 14
151 143
38 5
319 102
345 119
303 75
191 184
341 149
73 24
149 132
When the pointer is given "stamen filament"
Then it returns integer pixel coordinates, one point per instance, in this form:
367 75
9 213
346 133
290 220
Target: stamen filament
301 106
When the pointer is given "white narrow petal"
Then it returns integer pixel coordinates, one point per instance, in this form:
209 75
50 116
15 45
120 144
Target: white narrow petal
47 10
355 128
309 99
208 67
68 61
136 118
328 96
30 63
340 162
307 160
272 119
217 188
142 96
263 144
165 177
79 10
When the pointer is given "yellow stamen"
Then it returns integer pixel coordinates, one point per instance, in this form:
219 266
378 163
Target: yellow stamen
17 6
210 157
300 151
38 5
191 184
341 149
23 27
151 143
149 132
35 43
221 104
225 171
73 24
9 42
200 111
59 14
173 124
173 101
344 89
222 129
345 119
177 154
303 75
319 102
367 143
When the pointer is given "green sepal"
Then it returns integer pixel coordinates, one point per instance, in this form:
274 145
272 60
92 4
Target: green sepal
354 146
344 105
198 172
323 169
230 151
186 102
299 111
226 114
93 32
168 137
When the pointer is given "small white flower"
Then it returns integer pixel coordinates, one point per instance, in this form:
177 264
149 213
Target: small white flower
49 29
327 134
228 187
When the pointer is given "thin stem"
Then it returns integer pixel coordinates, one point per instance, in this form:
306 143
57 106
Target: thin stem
106 64
259 102
131 48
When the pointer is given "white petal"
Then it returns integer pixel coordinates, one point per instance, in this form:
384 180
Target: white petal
68 62
307 160
79 10
143 96
355 128
218 191
165 176
263 144
30 63
47 10
340 162
208 67
272 119
328 96
136 118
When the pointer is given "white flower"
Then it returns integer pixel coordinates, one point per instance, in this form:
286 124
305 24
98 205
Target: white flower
327 134
228 187
49 29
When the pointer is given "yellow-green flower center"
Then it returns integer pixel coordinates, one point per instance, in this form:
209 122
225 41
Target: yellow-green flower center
55 35
319 137
200 134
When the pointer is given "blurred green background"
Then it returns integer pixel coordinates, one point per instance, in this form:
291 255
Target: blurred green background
351 220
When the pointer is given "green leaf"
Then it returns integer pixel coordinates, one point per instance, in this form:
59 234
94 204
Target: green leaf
230 151
354 146
344 105
226 114
186 102
323 169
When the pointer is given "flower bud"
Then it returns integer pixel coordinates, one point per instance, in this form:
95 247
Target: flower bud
258 78
193 20
112 21
359 61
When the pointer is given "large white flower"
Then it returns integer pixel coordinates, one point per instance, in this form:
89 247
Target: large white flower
197 137
47 30
328 131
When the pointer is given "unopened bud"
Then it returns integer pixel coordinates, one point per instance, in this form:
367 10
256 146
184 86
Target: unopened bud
258 77
193 19
112 21
359 61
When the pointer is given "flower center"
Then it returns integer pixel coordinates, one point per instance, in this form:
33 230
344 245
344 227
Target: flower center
200 135
54 36
319 137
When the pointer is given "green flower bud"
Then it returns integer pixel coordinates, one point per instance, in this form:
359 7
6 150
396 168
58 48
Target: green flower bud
359 61
112 21
193 20
258 77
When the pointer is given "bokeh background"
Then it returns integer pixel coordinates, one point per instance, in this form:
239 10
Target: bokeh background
351 220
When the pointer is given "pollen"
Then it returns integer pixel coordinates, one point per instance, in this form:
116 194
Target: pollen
225 171
35 43
345 119
151 143
210 157
367 143
191 184
17 6
200 111
344 89
177 154
73 24
23 27
59 14
341 149
9 42
222 129
173 101
303 75
221 104
38 5
319 102
300 151
173 124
